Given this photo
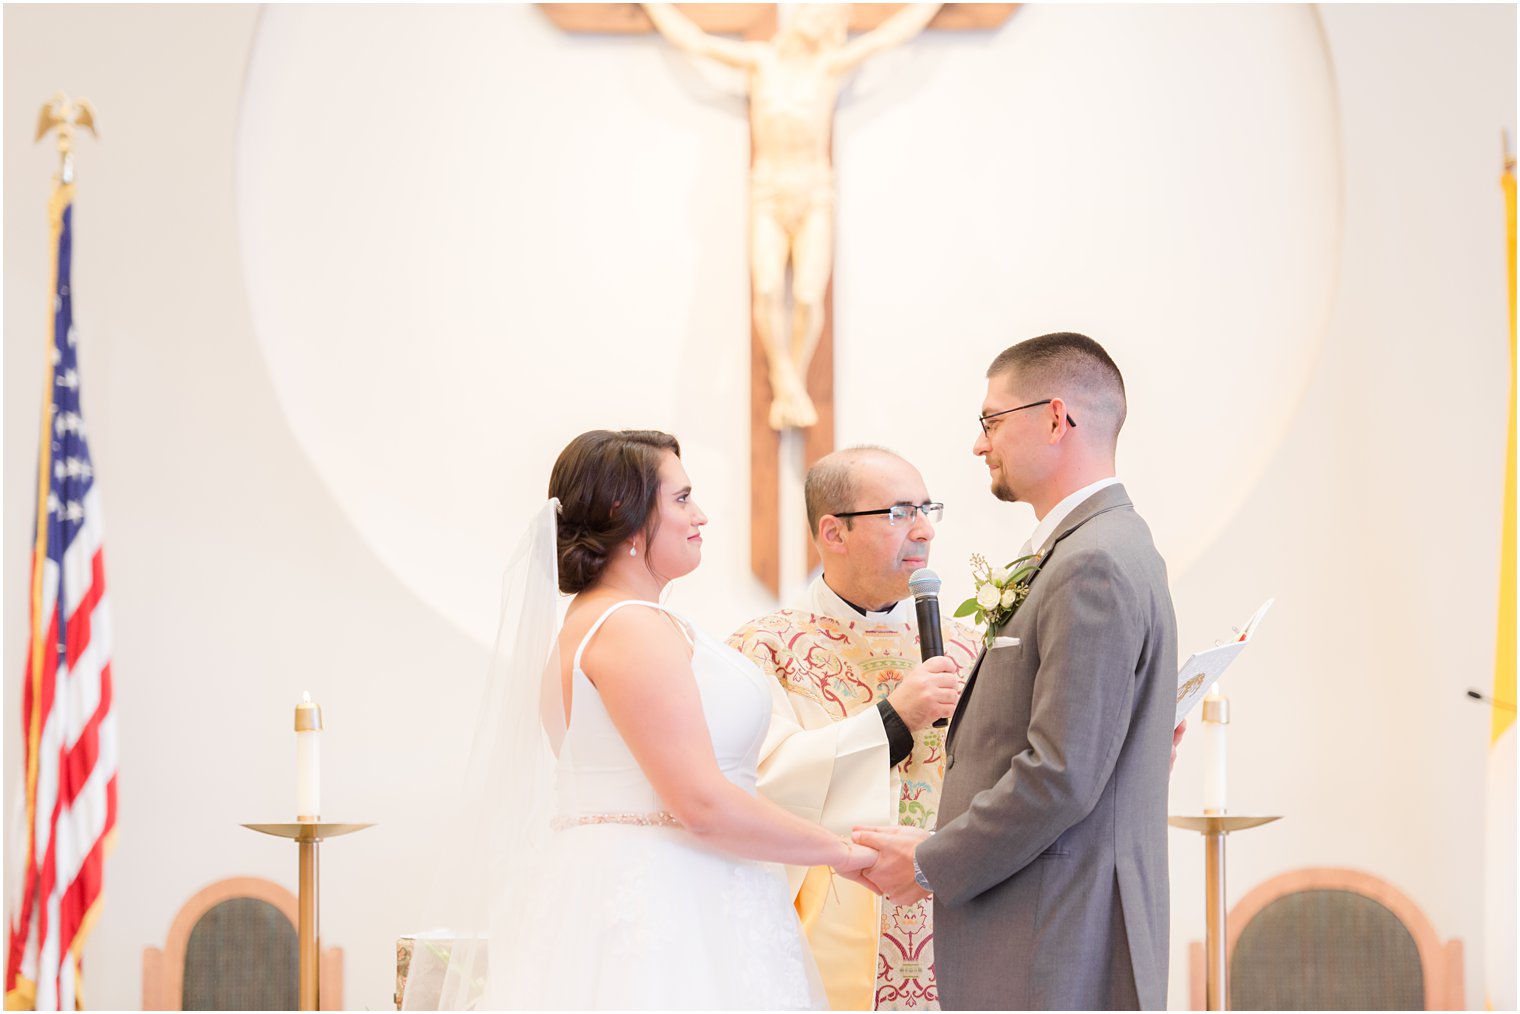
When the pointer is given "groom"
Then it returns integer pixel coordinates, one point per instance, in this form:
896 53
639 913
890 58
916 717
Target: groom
1049 867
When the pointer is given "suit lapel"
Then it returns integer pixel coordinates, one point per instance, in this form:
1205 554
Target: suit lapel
1109 498
960 705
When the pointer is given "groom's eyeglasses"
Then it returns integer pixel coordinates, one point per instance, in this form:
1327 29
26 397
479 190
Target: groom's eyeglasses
901 512
1033 404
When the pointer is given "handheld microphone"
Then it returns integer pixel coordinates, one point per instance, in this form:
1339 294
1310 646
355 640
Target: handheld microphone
924 584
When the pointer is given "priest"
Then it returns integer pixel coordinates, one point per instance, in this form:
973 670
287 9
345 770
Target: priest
852 737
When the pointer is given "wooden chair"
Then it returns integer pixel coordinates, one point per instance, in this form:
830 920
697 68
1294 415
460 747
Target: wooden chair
233 947
1326 938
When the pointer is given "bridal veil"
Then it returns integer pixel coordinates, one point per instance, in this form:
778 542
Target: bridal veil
494 841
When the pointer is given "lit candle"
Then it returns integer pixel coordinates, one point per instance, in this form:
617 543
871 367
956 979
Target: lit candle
308 759
1216 721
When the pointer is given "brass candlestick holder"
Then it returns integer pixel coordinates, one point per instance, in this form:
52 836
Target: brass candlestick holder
308 835
1215 827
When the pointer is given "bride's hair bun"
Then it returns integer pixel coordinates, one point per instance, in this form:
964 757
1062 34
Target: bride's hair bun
608 483
582 555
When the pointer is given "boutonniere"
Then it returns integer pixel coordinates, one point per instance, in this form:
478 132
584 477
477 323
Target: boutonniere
999 592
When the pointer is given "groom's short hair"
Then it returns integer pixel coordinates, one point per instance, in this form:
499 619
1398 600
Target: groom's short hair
1071 366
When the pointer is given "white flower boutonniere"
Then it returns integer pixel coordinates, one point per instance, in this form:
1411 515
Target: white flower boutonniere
999 592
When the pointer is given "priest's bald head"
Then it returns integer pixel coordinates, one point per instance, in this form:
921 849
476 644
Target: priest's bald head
868 554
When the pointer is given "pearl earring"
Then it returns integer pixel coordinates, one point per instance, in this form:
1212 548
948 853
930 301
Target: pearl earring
633 550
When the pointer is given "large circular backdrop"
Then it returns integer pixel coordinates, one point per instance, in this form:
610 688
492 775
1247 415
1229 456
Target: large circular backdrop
475 236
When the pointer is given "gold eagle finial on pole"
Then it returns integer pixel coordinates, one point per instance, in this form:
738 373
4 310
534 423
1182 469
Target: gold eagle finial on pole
66 114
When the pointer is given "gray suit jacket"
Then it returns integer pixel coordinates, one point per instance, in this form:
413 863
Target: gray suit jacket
1049 867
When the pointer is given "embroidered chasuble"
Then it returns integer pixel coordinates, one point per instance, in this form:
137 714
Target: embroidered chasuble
826 759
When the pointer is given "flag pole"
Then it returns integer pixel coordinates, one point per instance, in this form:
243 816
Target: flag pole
63 115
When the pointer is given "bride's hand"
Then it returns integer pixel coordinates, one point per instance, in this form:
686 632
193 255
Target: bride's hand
857 857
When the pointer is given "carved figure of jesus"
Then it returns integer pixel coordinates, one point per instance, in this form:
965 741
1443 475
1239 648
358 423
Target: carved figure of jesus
794 80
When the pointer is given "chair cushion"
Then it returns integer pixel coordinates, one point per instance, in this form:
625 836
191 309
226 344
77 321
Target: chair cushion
242 955
1326 950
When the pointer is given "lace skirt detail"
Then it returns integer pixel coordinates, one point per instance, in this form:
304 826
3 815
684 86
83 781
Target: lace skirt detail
637 916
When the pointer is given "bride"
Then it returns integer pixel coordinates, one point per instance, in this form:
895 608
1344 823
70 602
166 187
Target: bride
644 877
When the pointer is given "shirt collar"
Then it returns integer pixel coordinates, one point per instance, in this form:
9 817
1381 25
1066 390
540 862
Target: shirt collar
1052 521
821 600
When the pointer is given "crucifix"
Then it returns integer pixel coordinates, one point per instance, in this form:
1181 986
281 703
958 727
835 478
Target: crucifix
794 75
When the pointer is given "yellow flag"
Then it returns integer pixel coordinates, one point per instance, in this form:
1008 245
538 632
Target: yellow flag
1504 663
1499 843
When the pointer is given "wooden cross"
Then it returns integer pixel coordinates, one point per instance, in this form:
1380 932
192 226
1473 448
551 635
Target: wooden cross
758 22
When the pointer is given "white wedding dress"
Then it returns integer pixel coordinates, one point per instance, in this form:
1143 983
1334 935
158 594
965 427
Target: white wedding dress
635 912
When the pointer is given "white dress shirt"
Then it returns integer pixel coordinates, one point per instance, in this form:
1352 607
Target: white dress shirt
1050 522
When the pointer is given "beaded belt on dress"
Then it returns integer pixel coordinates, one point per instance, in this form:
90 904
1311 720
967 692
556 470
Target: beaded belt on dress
660 818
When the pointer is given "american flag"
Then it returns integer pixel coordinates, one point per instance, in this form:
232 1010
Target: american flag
68 723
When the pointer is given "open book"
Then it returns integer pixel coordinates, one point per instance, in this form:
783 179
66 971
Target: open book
1202 669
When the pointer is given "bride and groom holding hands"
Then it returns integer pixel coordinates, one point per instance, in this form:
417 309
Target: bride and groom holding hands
682 773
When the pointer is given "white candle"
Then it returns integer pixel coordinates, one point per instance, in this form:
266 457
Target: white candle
1216 723
308 759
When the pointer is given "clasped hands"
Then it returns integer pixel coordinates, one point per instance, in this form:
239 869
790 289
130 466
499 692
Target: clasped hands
890 873
881 858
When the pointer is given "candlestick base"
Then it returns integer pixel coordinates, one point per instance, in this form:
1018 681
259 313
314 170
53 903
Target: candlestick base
308 835
1218 823
1215 827
308 830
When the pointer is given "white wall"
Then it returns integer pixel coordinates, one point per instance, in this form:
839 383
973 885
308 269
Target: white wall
347 278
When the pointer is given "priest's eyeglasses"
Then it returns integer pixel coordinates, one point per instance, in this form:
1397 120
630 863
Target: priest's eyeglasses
901 512
1033 404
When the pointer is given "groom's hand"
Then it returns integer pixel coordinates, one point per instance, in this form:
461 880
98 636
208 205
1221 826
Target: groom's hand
859 877
893 872
1176 740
